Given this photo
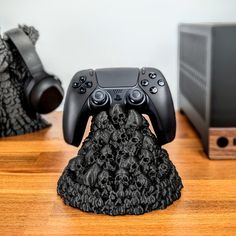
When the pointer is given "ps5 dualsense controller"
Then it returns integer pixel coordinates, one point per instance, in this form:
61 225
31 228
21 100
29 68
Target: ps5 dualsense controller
92 91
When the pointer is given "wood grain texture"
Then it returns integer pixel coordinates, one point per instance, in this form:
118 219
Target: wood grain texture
30 166
227 152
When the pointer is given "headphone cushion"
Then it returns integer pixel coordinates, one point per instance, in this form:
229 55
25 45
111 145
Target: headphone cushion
46 95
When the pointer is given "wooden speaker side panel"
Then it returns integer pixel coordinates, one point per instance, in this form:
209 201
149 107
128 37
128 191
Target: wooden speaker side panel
222 143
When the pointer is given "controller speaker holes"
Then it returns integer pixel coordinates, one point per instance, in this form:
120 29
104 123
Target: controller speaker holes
115 91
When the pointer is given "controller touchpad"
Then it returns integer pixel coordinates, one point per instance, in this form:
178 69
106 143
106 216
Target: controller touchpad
117 77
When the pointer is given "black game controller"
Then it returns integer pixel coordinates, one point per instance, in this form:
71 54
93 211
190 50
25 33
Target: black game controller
144 90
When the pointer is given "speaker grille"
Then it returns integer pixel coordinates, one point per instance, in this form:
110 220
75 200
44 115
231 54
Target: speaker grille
194 92
193 51
115 91
193 70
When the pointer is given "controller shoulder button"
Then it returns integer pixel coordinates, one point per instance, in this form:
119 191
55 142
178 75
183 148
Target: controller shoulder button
91 72
143 71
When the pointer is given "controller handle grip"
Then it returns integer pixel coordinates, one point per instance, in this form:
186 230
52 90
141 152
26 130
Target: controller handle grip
75 118
164 124
162 115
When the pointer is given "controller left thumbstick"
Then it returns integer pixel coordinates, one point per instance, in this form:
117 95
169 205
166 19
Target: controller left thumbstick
99 97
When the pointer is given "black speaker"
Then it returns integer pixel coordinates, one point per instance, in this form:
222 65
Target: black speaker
207 84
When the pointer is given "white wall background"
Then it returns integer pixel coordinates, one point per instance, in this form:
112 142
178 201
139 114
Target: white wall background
85 34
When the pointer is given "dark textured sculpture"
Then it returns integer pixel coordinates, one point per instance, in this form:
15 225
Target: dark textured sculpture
15 116
120 168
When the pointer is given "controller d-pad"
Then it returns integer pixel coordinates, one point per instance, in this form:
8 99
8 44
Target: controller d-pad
82 90
152 75
89 84
75 85
82 78
153 90
144 82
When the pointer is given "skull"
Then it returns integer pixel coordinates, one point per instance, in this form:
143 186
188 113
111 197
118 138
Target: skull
116 136
103 179
134 120
122 177
110 165
132 164
122 157
136 138
106 153
146 158
148 143
73 164
101 137
141 181
77 164
101 120
118 115
163 169
152 173
89 157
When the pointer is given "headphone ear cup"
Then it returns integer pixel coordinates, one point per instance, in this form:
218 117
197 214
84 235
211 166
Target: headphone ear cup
46 95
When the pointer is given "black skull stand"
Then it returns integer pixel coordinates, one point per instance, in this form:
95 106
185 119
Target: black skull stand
15 116
120 168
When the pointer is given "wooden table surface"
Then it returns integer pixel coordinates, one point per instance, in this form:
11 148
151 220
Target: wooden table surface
30 166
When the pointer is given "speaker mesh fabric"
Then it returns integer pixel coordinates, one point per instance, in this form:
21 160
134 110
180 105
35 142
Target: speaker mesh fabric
193 56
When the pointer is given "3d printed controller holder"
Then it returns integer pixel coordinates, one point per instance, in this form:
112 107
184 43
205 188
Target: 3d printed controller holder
15 116
120 168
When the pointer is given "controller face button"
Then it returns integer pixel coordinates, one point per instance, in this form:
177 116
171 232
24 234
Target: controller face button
144 82
152 75
82 90
99 97
136 96
82 79
161 82
153 90
75 85
89 84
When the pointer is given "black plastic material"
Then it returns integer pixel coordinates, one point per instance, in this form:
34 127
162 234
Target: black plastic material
118 84
15 115
41 85
120 168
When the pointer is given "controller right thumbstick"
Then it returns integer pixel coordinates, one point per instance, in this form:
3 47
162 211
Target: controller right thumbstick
136 96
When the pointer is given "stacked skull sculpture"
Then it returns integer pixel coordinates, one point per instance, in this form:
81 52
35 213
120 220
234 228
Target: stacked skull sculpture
121 166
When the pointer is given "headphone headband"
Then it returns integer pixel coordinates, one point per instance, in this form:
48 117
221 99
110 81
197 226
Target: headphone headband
27 51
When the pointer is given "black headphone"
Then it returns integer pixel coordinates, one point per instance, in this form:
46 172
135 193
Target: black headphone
43 91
